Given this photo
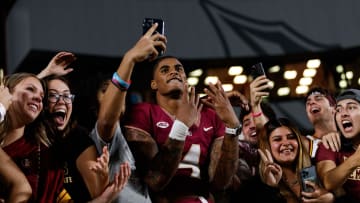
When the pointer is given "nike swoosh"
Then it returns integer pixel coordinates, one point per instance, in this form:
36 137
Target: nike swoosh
208 128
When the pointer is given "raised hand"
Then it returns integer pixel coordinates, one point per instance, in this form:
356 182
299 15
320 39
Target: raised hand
58 65
258 89
238 99
219 101
272 171
188 110
145 48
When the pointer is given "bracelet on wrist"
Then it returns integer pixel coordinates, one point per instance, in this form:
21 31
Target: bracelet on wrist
120 83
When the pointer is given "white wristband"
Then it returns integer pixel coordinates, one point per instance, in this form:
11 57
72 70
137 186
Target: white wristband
178 131
2 112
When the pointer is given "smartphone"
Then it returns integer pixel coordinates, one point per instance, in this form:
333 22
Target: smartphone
257 70
147 24
308 174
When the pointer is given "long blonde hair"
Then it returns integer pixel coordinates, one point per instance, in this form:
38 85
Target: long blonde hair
36 129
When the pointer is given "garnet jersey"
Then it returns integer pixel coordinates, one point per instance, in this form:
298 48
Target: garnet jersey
352 183
46 180
152 119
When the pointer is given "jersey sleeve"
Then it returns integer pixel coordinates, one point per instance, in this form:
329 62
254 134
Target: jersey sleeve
323 154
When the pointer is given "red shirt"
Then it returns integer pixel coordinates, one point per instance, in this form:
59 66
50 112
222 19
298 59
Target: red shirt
352 184
191 177
46 181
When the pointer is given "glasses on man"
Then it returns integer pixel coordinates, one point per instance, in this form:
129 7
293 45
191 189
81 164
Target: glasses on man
67 98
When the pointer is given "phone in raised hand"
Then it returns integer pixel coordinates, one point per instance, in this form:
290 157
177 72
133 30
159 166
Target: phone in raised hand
257 70
148 23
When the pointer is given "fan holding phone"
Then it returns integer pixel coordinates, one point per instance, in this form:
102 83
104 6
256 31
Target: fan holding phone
286 164
148 23
257 70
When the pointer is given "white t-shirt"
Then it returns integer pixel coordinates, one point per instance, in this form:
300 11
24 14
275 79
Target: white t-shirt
314 145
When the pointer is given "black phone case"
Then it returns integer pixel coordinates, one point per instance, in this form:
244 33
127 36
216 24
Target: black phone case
257 70
148 22
308 174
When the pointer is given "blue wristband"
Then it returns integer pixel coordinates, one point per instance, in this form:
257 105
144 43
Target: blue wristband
120 82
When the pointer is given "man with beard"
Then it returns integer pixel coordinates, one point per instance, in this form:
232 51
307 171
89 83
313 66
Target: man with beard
253 118
248 161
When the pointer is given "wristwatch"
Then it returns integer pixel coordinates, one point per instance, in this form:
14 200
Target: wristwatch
233 131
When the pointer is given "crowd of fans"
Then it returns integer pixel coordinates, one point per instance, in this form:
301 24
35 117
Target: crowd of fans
180 148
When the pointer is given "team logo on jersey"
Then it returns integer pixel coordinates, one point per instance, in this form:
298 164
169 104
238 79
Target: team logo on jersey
162 124
355 175
208 128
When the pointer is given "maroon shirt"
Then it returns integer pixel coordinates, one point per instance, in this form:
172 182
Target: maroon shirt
193 168
352 184
46 180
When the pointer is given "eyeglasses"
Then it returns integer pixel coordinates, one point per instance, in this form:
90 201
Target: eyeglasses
67 98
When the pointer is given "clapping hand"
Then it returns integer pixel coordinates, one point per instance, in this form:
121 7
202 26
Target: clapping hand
113 189
101 166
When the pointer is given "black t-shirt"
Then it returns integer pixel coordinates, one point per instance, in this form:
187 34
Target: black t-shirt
263 193
74 144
